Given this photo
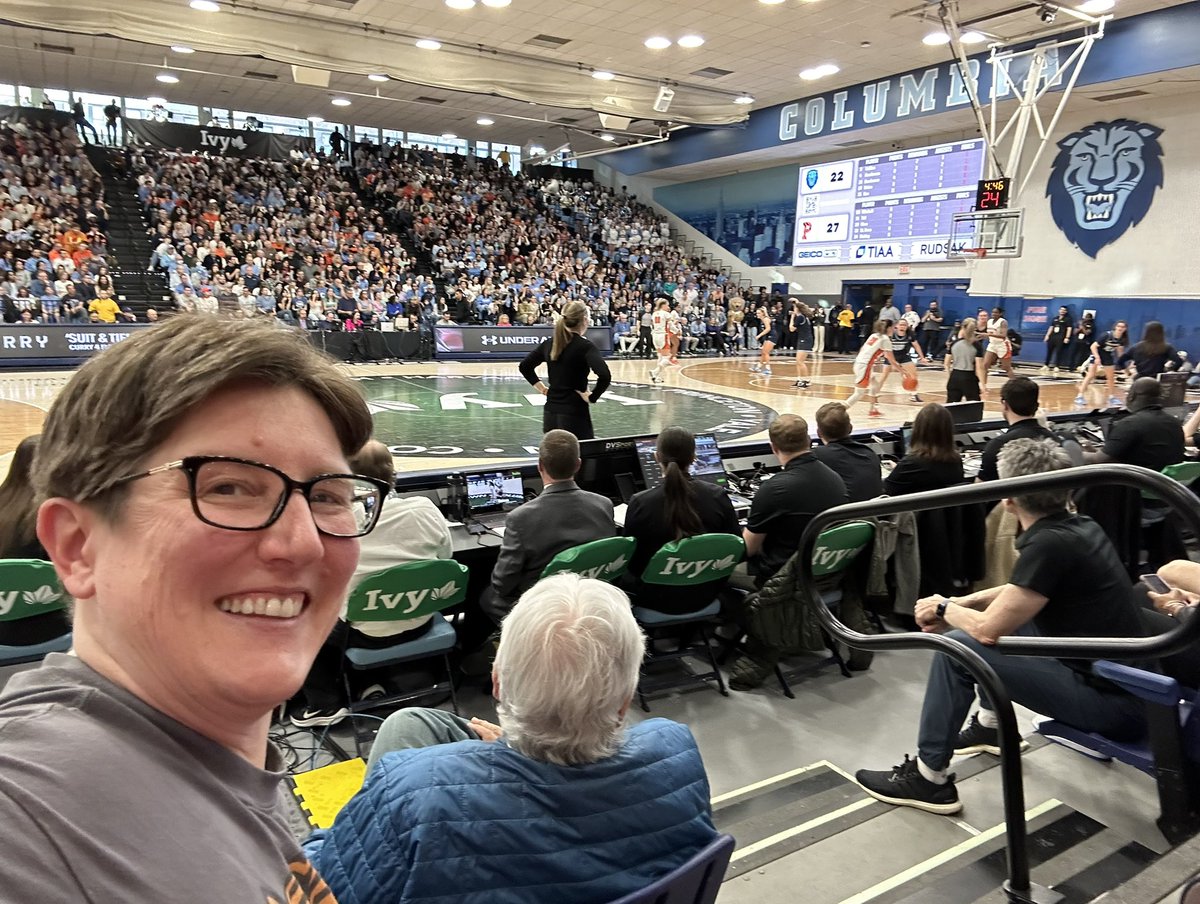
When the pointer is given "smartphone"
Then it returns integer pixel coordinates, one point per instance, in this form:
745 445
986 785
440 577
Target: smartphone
1155 583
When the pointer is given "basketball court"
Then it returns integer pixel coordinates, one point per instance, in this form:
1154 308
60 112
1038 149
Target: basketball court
448 415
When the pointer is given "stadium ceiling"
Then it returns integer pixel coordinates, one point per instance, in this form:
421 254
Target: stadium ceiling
528 66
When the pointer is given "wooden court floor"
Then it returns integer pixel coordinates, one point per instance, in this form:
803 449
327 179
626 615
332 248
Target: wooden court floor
25 396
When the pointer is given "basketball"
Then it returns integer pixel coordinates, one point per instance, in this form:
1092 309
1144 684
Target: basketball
910 383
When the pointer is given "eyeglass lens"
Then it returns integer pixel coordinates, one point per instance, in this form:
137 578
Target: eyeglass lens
244 496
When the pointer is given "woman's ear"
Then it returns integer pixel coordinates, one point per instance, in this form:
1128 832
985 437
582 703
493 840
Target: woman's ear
65 530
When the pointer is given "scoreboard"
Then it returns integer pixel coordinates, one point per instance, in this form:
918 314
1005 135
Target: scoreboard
887 208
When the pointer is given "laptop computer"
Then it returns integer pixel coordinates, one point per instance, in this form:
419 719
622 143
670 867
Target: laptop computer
708 467
491 494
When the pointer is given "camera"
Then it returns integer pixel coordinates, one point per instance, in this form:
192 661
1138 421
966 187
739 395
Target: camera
1047 13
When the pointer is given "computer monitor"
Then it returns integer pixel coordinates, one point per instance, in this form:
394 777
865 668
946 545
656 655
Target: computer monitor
965 412
1174 393
492 491
708 465
610 466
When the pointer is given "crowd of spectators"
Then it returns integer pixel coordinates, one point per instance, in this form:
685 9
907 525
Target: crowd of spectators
293 240
53 249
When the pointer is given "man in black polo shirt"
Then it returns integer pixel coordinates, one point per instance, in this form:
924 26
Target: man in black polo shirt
1019 402
785 504
1148 436
852 461
1068 582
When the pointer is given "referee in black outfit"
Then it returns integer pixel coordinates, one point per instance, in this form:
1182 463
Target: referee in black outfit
571 358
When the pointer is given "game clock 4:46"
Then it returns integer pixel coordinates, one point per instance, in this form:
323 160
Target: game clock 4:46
992 194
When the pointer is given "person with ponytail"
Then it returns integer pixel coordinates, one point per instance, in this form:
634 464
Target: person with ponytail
678 507
570 358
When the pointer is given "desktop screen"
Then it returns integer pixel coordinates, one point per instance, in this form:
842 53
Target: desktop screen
494 490
707 466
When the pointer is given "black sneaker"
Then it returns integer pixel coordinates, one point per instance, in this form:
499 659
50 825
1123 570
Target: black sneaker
978 738
318 718
904 786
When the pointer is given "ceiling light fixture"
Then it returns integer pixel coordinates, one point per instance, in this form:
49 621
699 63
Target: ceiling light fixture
205 6
316 119
449 136
935 39
606 136
972 37
167 79
340 101
497 4
378 77
770 2
743 99
603 75
691 41
658 43
156 101
429 44
816 72
1092 7
460 4
485 121
181 48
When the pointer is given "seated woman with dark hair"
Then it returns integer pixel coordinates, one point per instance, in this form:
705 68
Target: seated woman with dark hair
932 460
678 507
18 540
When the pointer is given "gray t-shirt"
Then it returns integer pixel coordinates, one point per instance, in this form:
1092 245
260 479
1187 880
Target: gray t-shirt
104 798
963 355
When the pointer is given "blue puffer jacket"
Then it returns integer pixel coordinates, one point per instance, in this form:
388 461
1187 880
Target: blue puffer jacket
479 823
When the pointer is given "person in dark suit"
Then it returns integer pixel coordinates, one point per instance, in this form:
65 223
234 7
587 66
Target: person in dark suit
854 462
678 507
932 460
571 358
534 533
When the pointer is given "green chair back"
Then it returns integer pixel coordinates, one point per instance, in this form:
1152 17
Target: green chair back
1186 472
839 546
29 587
695 560
408 591
603 560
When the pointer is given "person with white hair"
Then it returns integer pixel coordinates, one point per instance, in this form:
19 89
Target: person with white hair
560 795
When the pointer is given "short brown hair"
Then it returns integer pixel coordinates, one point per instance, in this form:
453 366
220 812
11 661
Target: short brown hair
127 400
833 421
558 454
374 460
789 434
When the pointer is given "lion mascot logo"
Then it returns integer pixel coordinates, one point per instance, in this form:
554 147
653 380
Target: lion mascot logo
1103 181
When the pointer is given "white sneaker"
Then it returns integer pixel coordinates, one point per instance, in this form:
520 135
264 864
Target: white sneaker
1044 369
754 369
1054 372
1080 400
766 371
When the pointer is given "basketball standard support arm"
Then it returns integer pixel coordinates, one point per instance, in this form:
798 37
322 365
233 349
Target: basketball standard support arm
1041 77
1018 886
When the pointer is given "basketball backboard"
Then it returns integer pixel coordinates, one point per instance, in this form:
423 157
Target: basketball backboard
987 233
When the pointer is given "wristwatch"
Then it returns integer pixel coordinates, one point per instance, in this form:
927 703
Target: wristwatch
941 608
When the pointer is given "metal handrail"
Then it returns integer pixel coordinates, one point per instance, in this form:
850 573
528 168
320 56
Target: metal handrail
1018 886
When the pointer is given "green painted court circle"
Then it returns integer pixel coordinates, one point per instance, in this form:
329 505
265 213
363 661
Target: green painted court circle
450 416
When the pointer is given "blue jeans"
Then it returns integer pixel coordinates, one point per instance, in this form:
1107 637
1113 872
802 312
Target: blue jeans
407 729
1042 684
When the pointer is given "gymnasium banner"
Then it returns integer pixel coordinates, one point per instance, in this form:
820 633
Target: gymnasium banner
213 140
36 116
503 341
21 346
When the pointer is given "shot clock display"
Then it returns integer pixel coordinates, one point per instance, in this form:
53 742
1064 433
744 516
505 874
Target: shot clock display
886 208
992 194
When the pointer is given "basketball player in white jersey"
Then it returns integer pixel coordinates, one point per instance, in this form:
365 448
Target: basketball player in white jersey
999 349
868 366
660 323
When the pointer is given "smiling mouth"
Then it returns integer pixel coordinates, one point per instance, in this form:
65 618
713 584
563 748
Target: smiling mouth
267 605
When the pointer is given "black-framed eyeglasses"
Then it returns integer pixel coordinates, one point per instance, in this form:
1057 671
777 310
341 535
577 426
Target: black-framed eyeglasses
237 494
